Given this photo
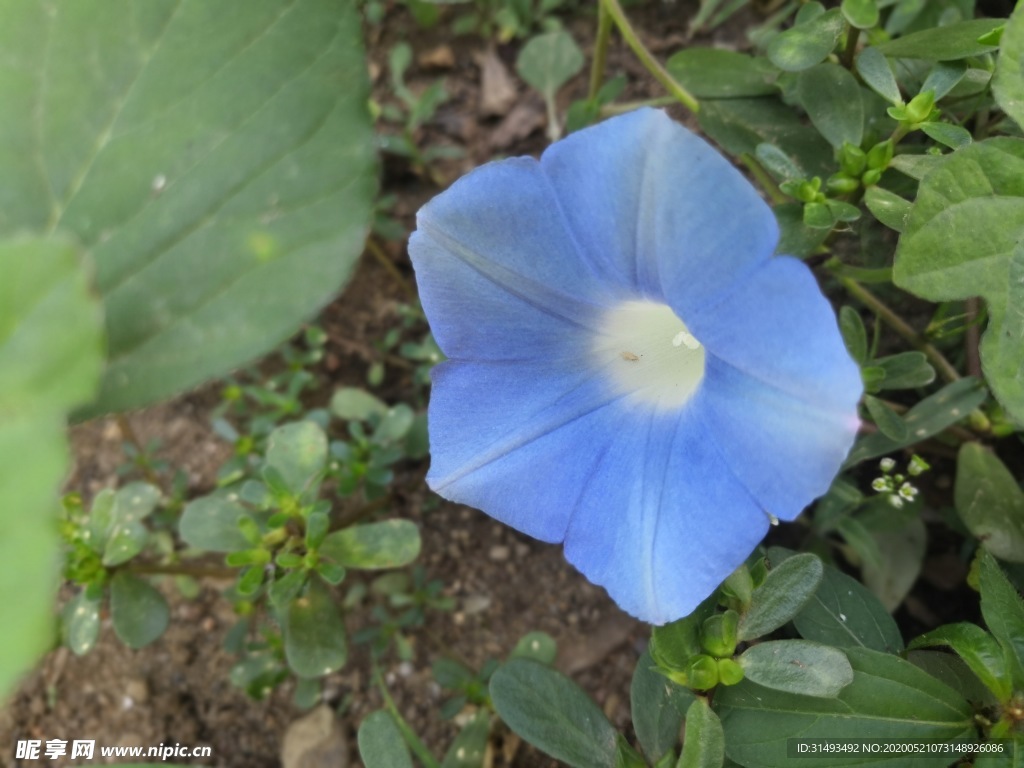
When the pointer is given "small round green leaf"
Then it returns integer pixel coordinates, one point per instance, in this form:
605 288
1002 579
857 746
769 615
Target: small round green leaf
139 612
386 544
862 14
548 61
314 634
211 523
888 207
297 453
81 623
886 419
797 666
354 404
381 744
807 44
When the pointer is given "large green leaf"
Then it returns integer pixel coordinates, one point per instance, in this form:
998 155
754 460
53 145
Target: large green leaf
990 502
845 614
965 237
780 597
50 357
889 698
797 666
214 159
1003 610
551 712
704 745
1008 81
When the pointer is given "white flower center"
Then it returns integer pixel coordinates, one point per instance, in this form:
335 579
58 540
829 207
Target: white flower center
649 353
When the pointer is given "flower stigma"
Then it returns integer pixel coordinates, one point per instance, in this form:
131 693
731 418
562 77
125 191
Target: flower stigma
649 353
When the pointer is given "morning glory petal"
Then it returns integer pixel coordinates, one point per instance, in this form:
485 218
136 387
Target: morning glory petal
631 371
656 208
783 449
520 452
776 326
497 267
661 523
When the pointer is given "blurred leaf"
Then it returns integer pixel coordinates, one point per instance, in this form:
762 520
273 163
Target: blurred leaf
978 649
855 336
952 136
704 743
658 707
916 166
874 68
777 162
673 644
139 612
551 712
538 646
715 73
990 502
905 370
953 41
468 748
214 160
126 541
548 61
81 620
886 419
946 407
781 595
843 613
889 698
1003 611
394 424
1008 81
797 666
806 44
354 404
950 669
943 77
901 554
50 362
386 544
888 207
862 14
211 523
297 453
831 97
858 537
381 744
796 238
965 237
314 634
739 125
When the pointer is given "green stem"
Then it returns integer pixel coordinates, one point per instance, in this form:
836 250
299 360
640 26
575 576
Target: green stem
389 266
418 747
763 178
609 110
898 324
846 58
604 33
646 57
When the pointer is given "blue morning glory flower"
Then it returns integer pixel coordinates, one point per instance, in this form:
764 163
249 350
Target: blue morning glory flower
631 371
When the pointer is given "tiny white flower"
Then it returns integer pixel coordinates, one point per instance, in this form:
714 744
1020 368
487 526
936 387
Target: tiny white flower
887 465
